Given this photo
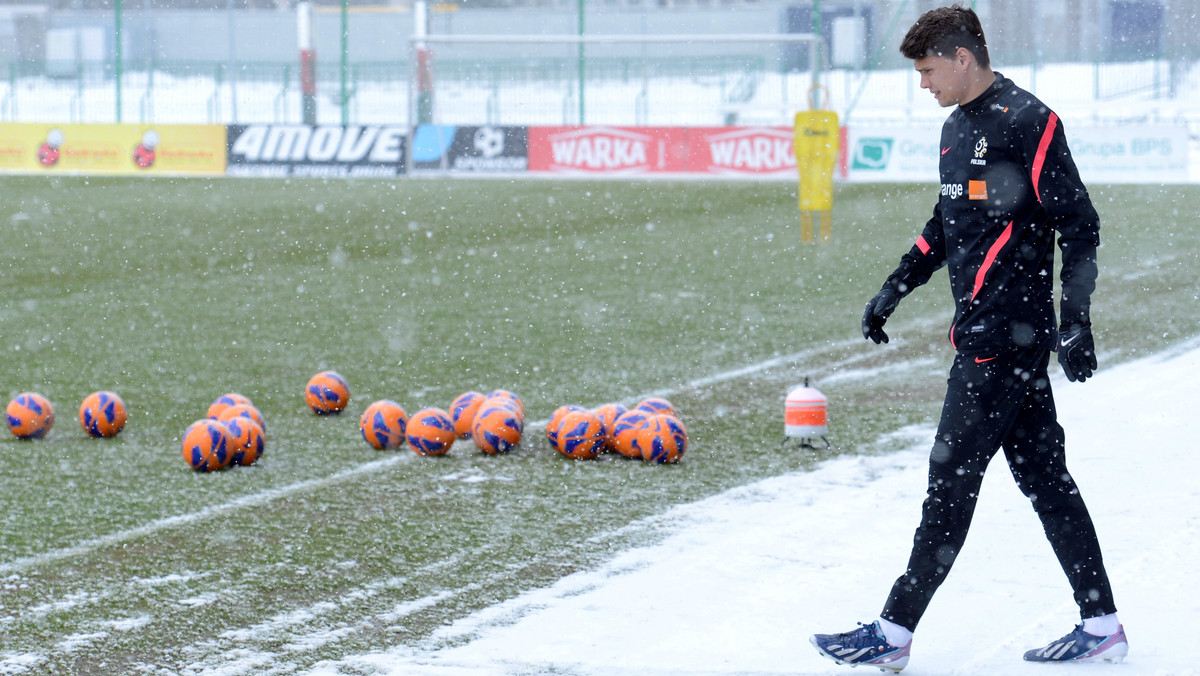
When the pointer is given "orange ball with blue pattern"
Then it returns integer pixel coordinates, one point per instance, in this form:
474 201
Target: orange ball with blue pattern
580 435
506 394
383 425
242 411
555 420
102 414
30 416
225 401
663 440
247 440
463 410
625 431
656 405
327 393
430 431
498 426
206 445
608 415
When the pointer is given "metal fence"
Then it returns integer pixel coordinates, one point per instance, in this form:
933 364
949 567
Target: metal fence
755 87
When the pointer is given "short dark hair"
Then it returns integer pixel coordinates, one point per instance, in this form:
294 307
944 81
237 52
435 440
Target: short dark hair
942 31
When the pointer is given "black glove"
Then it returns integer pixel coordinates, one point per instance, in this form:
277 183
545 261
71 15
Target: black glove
878 310
1077 352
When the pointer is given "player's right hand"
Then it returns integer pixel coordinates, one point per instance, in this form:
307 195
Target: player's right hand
1077 352
878 310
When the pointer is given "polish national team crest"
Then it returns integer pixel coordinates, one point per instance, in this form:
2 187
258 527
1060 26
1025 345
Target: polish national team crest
980 151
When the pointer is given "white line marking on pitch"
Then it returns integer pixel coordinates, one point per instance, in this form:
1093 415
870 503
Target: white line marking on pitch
208 512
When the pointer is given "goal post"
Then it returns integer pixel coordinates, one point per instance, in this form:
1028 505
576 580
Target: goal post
541 79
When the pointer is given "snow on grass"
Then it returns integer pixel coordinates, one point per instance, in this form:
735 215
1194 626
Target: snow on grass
743 577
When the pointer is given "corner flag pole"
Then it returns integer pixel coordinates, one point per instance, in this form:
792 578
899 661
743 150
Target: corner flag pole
345 93
117 66
582 59
424 63
308 62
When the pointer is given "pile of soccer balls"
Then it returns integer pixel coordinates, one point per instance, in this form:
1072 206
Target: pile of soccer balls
233 433
30 415
650 431
495 423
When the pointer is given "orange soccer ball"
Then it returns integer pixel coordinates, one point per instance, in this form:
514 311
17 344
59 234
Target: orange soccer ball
511 397
102 414
246 440
625 431
463 410
498 426
608 415
656 405
383 425
327 393
662 440
225 401
556 419
430 431
580 435
30 416
207 445
242 411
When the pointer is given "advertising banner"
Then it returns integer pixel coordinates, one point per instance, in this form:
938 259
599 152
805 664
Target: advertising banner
113 149
743 151
333 151
624 151
1109 154
470 149
893 154
607 150
1141 153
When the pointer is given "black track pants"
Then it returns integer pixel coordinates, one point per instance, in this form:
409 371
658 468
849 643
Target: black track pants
994 400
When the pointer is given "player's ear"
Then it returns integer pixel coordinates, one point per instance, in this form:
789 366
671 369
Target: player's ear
963 57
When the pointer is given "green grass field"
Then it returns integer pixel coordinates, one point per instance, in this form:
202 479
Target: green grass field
115 557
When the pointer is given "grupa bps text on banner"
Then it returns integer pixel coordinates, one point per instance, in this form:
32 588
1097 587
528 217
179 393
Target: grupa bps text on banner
112 149
1139 153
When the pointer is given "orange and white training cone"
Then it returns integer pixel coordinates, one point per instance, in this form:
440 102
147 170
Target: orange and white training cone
805 416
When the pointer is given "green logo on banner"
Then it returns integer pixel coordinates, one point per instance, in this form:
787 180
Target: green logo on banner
872 154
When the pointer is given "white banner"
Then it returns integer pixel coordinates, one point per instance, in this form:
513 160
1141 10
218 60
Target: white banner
1142 153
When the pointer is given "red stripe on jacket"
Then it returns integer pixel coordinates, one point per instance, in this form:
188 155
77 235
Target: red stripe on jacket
990 259
1040 158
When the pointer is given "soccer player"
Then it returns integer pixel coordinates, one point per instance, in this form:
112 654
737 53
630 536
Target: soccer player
1009 185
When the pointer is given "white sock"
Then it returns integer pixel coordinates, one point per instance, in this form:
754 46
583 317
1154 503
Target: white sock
895 634
1105 625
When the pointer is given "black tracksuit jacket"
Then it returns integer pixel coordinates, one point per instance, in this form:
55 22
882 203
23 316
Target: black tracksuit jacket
1008 183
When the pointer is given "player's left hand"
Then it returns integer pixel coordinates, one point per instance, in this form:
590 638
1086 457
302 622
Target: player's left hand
876 315
1077 352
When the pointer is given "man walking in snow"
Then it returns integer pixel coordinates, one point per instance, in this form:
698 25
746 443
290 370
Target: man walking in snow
1008 184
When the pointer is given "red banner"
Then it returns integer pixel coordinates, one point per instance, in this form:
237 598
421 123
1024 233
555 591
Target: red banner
644 150
743 150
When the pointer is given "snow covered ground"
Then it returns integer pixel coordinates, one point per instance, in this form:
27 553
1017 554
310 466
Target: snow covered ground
744 577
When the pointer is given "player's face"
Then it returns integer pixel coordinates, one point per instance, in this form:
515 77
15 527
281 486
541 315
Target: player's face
946 78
